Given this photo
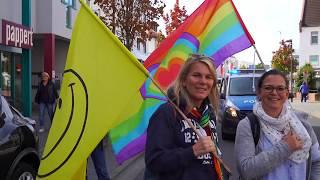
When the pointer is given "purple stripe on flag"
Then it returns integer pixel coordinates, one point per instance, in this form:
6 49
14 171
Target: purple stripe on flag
233 47
190 38
143 90
134 147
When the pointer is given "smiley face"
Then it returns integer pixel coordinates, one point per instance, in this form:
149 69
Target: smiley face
68 126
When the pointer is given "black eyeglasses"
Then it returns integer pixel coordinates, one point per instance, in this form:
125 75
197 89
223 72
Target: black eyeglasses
279 89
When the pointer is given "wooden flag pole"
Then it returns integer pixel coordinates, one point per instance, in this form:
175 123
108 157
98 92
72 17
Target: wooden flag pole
189 122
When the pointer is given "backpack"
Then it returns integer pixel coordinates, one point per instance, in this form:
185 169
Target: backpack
255 127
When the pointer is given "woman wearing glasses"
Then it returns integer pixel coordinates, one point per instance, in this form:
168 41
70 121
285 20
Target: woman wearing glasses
173 149
287 148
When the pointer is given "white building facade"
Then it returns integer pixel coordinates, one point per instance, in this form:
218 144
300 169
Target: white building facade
36 38
309 47
309 51
45 28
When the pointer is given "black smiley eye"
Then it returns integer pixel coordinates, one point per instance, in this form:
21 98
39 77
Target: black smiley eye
59 103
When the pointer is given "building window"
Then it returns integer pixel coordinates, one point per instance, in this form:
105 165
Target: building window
71 3
314 37
145 47
138 44
314 60
68 17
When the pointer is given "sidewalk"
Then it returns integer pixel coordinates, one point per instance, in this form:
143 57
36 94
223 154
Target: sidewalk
311 108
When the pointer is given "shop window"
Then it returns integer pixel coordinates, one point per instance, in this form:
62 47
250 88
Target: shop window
6 73
314 60
314 37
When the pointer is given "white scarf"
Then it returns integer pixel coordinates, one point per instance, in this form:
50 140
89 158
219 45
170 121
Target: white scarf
275 128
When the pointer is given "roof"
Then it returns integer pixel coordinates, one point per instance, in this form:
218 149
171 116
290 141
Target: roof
310 14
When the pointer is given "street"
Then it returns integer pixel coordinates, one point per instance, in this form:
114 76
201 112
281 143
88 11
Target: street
134 168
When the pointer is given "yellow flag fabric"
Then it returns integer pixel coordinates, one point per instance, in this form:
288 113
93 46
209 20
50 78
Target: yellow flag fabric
100 88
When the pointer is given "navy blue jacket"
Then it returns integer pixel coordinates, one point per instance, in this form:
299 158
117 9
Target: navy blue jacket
169 153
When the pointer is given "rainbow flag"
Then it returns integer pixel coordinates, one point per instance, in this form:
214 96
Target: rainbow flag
216 30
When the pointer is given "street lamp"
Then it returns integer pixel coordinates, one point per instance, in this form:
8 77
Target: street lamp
291 68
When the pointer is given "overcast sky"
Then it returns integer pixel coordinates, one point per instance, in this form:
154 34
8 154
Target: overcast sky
268 21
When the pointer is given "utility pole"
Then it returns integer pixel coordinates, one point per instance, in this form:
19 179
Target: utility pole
291 68
291 78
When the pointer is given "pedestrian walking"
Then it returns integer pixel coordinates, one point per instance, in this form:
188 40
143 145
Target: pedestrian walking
46 96
173 150
304 90
275 142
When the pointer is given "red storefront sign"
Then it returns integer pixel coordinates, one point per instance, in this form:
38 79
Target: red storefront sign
16 35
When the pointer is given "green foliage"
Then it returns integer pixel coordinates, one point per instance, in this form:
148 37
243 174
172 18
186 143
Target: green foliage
283 58
131 19
243 66
306 73
259 66
160 37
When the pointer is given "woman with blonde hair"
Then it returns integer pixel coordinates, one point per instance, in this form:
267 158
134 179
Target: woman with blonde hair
173 149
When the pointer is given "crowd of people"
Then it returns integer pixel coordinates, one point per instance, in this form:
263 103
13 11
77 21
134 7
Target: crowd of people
284 146
182 141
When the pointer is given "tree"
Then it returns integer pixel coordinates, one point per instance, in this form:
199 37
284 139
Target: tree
283 58
160 37
259 66
243 66
131 19
306 74
176 17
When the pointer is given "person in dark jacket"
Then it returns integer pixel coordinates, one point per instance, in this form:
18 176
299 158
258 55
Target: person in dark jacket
304 90
173 149
46 96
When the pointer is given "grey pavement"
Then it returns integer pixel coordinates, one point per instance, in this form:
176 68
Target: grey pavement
312 108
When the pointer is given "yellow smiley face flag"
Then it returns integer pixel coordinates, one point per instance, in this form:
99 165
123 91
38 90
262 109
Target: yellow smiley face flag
100 88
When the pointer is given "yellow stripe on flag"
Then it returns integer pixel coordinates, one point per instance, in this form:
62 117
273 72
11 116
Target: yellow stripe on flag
100 88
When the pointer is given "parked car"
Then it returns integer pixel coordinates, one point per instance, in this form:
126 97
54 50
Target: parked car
18 144
237 98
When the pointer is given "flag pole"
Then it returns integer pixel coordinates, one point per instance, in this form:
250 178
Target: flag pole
189 122
254 46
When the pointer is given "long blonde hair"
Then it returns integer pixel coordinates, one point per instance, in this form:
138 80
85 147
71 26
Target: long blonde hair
181 92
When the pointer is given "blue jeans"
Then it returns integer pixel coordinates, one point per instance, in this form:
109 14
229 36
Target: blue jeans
42 108
99 162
